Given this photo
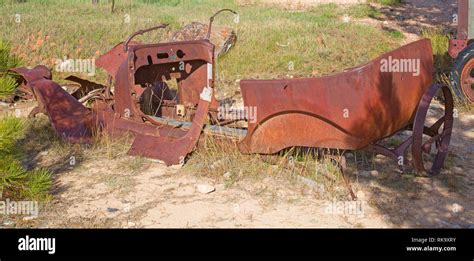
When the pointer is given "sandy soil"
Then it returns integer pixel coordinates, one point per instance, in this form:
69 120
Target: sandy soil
156 196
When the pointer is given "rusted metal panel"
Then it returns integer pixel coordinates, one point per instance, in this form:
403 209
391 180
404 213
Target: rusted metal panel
69 118
111 60
463 19
85 86
172 151
470 20
461 37
348 110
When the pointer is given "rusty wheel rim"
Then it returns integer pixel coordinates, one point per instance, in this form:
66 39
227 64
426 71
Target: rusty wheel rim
440 139
467 79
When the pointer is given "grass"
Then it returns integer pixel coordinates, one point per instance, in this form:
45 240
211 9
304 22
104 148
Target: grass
319 41
16 182
215 157
386 2
443 62
7 61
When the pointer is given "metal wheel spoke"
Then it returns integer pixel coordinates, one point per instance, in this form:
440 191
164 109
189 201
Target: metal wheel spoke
435 127
440 137
429 142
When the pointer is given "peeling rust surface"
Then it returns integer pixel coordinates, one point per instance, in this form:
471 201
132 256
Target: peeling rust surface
69 118
348 110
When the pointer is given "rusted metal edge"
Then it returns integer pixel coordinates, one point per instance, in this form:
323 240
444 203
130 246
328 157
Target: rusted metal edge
69 118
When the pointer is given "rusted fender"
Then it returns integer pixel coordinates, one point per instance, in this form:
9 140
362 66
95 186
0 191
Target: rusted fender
69 118
348 110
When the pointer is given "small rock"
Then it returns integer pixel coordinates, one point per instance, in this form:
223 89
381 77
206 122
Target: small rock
112 210
43 153
29 218
4 104
205 188
446 172
130 224
380 156
127 208
427 186
374 173
346 19
360 194
8 223
227 175
458 170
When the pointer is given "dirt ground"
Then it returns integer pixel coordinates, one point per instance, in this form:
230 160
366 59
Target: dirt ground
98 194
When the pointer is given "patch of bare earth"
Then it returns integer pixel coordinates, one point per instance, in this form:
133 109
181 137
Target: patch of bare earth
413 16
96 195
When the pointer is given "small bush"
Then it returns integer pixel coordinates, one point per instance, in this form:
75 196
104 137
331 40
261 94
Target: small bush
7 86
15 181
11 129
7 61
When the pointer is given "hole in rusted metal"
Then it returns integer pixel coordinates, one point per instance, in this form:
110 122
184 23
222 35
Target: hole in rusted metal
180 53
162 55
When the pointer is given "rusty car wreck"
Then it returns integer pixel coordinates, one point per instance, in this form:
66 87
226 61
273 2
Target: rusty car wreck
352 110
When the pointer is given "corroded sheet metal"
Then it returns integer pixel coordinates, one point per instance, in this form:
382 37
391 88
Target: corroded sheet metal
111 60
171 150
348 110
462 36
69 118
85 86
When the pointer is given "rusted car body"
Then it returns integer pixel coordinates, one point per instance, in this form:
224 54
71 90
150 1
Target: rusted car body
348 110
352 110
355 109
461 48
